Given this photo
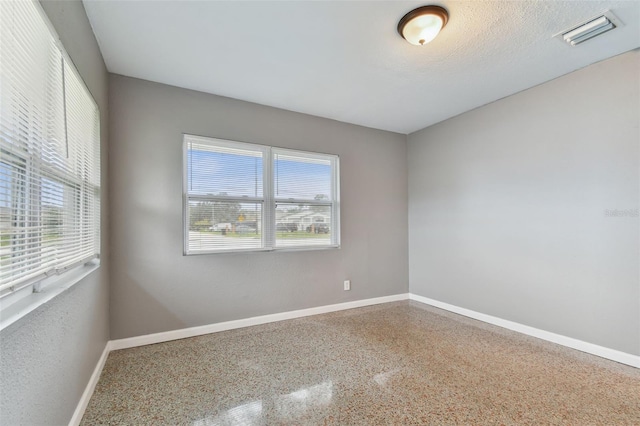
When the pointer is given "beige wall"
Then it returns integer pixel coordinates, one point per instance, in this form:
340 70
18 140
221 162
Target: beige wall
507 207
155 288
48 356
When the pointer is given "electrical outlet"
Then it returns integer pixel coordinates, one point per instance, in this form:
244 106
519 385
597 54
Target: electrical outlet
347 285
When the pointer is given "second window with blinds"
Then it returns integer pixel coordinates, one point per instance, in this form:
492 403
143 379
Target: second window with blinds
246 197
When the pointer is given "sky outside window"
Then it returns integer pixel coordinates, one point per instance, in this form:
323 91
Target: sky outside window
239 174
234 173
301 178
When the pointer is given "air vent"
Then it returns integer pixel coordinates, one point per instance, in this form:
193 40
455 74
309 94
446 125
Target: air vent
590 29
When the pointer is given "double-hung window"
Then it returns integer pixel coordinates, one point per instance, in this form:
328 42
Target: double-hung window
49 154
246 197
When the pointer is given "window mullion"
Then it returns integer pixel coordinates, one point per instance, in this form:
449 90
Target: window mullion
269 214
222 198
335 198
33 217
326 203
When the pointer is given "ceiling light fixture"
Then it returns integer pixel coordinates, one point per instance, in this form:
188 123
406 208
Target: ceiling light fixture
423 24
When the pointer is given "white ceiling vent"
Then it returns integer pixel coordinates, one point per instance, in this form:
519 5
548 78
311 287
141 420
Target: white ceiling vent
590 29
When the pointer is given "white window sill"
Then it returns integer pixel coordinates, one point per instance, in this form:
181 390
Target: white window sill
264 250
27 301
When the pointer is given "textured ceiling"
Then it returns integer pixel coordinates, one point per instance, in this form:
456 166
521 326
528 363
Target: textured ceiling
344 59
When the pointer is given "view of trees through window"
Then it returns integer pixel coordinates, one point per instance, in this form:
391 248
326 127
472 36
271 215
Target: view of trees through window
206 215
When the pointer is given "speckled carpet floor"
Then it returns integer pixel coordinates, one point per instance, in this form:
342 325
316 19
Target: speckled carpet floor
400 363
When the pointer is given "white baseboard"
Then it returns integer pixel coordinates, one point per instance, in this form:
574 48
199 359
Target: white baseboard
88 391
601 351
167 336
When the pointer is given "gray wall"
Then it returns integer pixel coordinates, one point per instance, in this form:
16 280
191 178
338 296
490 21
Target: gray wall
155 288
507 207
48 356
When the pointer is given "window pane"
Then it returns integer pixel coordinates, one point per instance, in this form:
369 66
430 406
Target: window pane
303 225
301 177
217 170
222 225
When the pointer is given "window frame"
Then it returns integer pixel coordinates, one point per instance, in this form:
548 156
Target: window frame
14 299
269 200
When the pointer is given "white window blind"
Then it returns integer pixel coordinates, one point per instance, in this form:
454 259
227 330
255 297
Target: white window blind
242 197
49 154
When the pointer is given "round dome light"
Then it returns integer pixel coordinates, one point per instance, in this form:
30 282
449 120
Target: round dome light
423 24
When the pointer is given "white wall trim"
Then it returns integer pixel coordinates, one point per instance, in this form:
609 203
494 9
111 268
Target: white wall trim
593 349
167 336
88 391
